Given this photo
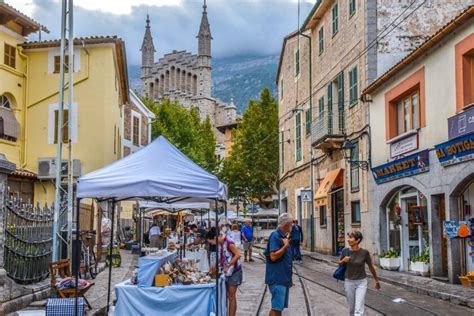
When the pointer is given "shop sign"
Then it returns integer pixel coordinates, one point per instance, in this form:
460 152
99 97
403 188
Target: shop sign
404 145
456 150
461 124
404 167
456 229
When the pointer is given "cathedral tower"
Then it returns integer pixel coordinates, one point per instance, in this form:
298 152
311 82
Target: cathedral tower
148 51
204 55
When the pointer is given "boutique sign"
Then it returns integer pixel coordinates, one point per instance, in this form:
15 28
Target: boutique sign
404 167
456 150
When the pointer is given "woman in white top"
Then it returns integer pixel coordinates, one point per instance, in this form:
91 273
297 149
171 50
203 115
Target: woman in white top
235 235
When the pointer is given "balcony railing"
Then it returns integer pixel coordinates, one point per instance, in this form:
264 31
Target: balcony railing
327 127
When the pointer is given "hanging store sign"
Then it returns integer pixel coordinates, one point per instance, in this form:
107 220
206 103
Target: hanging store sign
404 167
461 124
404 145
456 150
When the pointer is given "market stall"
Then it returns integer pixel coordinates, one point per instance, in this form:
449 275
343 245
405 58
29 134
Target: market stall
160 173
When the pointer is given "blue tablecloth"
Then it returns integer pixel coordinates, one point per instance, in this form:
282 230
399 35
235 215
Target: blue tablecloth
149 266
196 300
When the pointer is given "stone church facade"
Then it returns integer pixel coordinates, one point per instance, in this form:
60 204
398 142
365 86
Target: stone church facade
187 78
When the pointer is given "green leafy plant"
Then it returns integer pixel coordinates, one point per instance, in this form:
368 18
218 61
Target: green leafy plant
391 253
424 257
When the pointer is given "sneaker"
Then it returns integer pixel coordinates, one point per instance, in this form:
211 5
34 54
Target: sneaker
251 260
245 260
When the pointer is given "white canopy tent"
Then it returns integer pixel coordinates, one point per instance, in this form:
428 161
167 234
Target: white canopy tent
159 172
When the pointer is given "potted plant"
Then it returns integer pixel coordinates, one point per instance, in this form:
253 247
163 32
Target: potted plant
390 260
421 264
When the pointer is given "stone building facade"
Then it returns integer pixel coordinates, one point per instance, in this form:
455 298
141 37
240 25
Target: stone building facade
349 50
187 78
423 172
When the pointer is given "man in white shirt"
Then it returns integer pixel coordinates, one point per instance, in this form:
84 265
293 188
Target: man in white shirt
154 236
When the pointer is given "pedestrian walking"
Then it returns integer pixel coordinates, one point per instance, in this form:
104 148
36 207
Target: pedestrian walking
296 240
235 235
154 236
229 261
247 237
279 265
355 284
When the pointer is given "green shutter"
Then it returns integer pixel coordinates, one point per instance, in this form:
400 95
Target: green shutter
353 89
340 101
321 39
335 18
330 114
298 136
321 106
352 7
308 122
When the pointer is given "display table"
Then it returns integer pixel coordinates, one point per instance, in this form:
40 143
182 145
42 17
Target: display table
149 266
201 257
171 300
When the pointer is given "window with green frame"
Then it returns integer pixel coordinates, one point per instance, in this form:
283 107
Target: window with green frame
297 62
340 101
335 19
355 168
321 106
330 114
321 39
308 122
352 7
353 89
298 137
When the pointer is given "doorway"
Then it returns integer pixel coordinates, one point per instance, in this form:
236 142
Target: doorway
337 204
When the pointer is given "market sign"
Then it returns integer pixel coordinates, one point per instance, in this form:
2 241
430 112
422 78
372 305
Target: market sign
461 124
456 150
404 145
404 167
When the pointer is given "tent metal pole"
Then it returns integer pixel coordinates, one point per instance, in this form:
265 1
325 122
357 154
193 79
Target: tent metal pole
77 256
217 262
110 255
141 229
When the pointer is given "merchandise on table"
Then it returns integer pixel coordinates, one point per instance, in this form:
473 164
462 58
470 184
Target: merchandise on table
70 283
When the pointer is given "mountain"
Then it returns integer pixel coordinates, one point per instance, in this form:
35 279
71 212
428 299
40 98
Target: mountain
240 77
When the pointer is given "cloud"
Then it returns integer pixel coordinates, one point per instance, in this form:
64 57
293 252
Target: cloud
239 27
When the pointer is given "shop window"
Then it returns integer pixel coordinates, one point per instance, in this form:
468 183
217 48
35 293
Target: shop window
335 19
9 55
355 212
65 128
57 64
308 122
464 55
323 216
355 168
352 7
404 106
298 137
321 40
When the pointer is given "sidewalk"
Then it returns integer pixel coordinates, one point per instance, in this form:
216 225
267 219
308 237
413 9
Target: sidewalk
97 295
456 294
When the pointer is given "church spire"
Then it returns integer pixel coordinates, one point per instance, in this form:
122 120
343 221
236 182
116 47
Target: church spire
204 36
147 49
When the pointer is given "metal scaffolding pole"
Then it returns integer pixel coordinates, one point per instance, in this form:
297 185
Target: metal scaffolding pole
70 186
66 24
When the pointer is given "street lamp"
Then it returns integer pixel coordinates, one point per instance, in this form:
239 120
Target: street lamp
348 148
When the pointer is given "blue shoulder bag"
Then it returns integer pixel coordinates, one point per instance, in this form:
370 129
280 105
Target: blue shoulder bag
340 273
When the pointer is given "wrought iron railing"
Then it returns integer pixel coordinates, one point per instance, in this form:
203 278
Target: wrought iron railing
327 125
28 240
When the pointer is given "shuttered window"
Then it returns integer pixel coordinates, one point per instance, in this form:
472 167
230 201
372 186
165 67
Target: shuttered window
335 19
9 55
308 122
340 101
353 89
352 7
57 64
136 131
65 129
298 137
321 39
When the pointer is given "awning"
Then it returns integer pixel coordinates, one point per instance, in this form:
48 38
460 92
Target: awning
332 178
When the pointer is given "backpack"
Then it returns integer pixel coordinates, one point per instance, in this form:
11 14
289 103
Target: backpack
266 252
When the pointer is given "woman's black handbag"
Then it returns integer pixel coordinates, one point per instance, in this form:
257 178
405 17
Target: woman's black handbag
340 273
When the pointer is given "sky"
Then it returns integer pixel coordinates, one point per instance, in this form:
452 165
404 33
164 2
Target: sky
239 27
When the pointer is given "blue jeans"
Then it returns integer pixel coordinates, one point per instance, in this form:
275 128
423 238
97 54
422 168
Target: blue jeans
280 296
296 249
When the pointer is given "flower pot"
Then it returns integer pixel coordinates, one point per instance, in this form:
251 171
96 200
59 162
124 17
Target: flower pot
390 263
420 267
